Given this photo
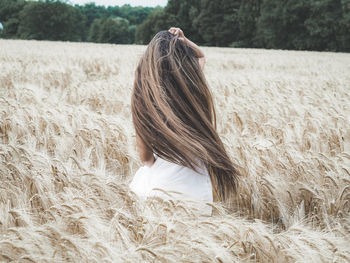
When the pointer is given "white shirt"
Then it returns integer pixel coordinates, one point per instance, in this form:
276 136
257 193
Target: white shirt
171 177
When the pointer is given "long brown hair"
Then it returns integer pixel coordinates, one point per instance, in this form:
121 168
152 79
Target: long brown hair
174 115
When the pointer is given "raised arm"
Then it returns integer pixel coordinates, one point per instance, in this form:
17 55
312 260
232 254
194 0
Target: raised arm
199 52
146 155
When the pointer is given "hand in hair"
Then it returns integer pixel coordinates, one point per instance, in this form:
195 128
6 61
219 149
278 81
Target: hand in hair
178 32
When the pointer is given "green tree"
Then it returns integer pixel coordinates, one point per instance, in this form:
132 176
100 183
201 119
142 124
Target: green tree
132 33
303 24
91 12
295 13
50 20
217 22
270 30
95 29
136 15
344 23
324 25
248 15
156 21
282 24
9 17
115 30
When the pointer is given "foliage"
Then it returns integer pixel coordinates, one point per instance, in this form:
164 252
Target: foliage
217 22
323 25
50 20
91 12
247 17
278 24
9 16
111 30
281 24
156 21
344 23
134 15
301 25
95 28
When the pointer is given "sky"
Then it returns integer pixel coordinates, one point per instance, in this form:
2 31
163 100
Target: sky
151 3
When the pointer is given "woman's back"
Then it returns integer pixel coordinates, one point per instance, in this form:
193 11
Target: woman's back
174 119
178 181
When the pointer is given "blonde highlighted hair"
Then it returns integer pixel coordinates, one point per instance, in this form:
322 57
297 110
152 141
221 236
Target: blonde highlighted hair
174 115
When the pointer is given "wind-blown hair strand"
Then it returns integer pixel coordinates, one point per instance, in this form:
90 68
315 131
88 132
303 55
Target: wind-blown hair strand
174 115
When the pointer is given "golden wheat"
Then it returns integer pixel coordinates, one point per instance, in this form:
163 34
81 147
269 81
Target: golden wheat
67 154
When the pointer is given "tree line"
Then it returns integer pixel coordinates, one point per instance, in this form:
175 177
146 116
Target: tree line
277 24
58 20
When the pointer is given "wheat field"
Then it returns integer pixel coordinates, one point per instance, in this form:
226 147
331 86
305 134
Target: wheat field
68 153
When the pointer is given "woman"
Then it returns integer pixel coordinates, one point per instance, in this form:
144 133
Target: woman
175 122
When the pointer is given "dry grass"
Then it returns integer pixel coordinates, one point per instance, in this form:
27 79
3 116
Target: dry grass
67 154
